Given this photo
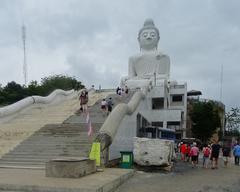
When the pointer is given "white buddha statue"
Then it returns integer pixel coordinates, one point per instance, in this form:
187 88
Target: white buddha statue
150 66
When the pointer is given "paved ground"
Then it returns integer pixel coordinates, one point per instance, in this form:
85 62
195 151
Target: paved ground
34 180
185 179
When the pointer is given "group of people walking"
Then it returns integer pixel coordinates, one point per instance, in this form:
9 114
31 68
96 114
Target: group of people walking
122 91
106 105
210 153
189 151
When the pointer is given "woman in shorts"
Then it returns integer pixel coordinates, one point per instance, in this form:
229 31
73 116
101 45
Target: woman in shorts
194 154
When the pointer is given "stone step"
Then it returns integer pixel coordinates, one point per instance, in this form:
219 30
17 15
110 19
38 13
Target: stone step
40 158
57 146
74 139
51 147
49 137
22 163
57 151
59 136
16 166
57 143
46 152
43 155
59 132
15 160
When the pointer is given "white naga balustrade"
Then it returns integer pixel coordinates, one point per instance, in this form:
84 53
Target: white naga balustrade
10 111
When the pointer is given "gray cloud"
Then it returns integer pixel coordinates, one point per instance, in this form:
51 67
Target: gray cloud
92 40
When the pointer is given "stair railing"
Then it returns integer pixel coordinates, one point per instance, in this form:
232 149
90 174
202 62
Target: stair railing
109 128
10 111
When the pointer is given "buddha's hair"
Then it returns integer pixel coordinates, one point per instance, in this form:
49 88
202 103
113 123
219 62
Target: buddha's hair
148 24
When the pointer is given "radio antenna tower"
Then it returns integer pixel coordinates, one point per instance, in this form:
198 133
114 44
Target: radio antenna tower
24 54
221 83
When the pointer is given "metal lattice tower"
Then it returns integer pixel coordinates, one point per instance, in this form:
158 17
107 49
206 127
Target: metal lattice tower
24 55
221 83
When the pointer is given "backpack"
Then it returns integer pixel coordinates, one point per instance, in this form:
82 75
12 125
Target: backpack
206 152
109 103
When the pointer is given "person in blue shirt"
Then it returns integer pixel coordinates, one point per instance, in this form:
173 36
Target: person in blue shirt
236 153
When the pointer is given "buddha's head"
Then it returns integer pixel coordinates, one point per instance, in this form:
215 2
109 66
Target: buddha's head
148 36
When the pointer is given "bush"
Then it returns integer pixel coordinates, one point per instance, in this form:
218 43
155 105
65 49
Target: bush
14 92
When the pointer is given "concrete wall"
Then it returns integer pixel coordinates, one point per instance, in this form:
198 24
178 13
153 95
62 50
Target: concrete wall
127 130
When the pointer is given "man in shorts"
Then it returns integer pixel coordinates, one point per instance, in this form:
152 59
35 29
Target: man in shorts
226 150
109 105
215 154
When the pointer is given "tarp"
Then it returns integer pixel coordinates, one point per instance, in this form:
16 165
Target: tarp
95 153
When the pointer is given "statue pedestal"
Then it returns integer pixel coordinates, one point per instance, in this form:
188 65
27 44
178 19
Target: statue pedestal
137 83
68 167
141 83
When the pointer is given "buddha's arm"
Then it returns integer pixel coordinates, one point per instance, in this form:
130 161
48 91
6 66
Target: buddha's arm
131 69
164 66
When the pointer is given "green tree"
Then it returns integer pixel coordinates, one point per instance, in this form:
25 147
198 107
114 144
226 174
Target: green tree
233 122
34 89
205 120
13 92
51 83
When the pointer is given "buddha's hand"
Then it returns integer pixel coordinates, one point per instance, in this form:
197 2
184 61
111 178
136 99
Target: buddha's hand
148 75
124 78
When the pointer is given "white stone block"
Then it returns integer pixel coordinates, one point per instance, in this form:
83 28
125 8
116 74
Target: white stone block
157 152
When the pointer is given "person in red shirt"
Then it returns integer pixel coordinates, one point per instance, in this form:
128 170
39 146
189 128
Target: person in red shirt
188 152
183 150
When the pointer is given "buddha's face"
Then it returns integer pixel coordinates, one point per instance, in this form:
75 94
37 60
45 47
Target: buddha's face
148 39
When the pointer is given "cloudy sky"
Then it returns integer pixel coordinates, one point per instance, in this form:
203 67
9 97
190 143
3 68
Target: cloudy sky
92 40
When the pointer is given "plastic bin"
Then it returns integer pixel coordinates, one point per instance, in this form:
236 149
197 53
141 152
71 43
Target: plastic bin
126 159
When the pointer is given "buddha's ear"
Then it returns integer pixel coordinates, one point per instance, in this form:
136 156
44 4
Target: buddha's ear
138 38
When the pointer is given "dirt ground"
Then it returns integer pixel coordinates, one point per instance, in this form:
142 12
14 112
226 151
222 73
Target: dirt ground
184 178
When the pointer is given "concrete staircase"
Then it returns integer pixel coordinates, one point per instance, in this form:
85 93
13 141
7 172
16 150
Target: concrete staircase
31 120
55 140
51 141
